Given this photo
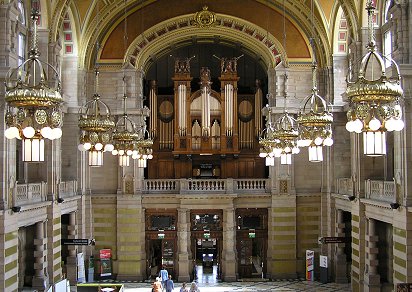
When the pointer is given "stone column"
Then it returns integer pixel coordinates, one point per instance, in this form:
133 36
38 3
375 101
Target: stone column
71 263
40 280
340 256
183 248
371 278
229 270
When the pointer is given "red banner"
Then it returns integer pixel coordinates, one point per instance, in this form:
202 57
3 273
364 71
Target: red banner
105 262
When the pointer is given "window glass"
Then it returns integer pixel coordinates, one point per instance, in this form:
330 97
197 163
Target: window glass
21 48
387 47
22 15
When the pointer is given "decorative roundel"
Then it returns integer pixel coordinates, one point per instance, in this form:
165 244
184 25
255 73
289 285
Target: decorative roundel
56 119
166 111
362 111
40 116
21 115
9 119
94 137
245 111
105 137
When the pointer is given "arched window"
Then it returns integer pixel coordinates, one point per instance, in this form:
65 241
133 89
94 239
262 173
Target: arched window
386 15
386 32
22 15
21 36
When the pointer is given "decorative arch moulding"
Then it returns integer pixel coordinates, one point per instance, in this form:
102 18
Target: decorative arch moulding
168 33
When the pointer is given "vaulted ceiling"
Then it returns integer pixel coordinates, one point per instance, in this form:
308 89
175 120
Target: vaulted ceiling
103 22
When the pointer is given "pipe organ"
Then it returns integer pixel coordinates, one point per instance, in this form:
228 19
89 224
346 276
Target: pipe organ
206 128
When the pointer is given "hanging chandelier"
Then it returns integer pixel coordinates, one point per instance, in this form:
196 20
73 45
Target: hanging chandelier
315 117
375 100
143 150
267 141
315 123
285 138
33 102
96 124
125 136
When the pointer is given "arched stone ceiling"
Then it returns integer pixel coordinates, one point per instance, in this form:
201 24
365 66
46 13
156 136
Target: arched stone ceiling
143 14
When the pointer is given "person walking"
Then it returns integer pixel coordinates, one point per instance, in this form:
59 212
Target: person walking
184 288
157 286
170 286
164 276
194 288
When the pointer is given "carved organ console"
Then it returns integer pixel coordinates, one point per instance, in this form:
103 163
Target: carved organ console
205 133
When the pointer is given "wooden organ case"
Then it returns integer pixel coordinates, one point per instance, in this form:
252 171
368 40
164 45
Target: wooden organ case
206 134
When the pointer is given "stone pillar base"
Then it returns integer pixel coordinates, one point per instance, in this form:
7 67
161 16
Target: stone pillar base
372 283
71 269
40 283
340 269
183 273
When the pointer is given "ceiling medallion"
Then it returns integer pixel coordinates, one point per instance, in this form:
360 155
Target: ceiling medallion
204 18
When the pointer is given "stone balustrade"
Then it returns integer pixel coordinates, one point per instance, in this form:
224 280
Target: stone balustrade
30 193
67 188
344 186
380 190
184 186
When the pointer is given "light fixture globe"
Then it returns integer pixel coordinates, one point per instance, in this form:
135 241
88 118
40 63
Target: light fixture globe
33 101
374 97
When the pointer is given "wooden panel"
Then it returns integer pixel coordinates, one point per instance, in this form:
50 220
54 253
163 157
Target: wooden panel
165 169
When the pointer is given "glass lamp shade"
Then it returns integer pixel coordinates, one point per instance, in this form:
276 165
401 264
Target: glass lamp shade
286 159
124 160
141 163
33 150
315 153
95 158
270 161
374 143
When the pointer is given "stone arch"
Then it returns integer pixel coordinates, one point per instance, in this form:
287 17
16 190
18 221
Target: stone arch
180 29
340 33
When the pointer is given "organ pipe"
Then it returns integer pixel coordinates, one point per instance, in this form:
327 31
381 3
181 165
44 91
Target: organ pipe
205 111
153 106
258 107
182 90
229 109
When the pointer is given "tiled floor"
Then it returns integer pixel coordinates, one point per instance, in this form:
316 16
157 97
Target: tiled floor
291 285
207 282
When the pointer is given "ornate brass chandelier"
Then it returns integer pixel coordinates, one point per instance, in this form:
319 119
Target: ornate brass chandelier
315 123
33 102
315 117
129 140
375 100
96 124
285 128
286 138
125 136
267 141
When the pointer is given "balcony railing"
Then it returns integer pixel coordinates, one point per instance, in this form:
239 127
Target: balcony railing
67 188
344 186
31 193
184 186
379 190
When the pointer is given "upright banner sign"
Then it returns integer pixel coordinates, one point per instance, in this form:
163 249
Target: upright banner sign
81 273
310 265
105 262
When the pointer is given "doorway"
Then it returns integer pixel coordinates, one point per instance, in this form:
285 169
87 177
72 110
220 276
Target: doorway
160 253
206 247
252 242
207 257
